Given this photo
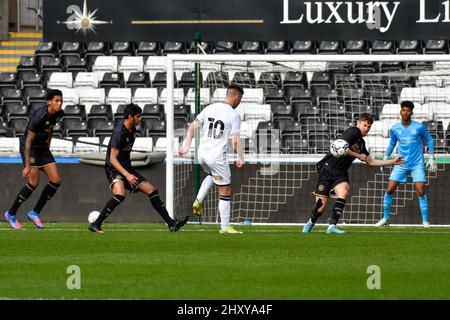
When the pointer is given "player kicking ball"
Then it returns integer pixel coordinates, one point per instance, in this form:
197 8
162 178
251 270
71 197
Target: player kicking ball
122 176
218 122
36 156
409 135
333 174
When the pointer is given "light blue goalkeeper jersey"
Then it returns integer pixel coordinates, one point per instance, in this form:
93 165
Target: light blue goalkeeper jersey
410 143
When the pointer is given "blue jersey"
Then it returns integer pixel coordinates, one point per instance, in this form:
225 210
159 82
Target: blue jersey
410 143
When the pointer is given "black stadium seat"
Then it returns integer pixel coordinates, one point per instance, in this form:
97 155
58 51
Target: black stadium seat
205 47
28 63
14 110
148 48
11 95
47 49
330 47
9 80
244 79
274 95
75 64
436 47
138 80
304 47
154 127
357 47
296 79
383 47
112 80
222 47
72 49
253 47
153 111
123 48
76 128
32 79
174 47
101 127
19 126
75 112
278 47
101 111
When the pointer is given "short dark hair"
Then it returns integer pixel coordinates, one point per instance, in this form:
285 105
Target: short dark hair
53 93
234 86
366 117
407 104
131 110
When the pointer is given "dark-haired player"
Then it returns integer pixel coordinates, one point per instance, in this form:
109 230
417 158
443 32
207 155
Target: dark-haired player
409 135
121 175
36 155
333 175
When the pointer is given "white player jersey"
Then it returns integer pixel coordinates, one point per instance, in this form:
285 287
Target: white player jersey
218 121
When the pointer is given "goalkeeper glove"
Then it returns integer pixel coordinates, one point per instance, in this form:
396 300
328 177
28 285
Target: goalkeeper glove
382 167
432 166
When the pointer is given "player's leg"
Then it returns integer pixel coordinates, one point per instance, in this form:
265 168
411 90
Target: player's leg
54 181
24 194
118 191
419 179
342 190
201 195
153 194
398 175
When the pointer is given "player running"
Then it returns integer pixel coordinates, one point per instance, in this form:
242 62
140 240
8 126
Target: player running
218 122
333 175
409 134
121 175
36 156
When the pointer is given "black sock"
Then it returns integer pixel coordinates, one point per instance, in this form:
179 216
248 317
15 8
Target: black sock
109 208
48 192
23 195
338 208
315 214
159 206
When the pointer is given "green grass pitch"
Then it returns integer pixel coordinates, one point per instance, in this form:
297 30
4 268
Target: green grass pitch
145 261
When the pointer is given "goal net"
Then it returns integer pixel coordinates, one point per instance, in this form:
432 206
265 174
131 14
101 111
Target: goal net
292 108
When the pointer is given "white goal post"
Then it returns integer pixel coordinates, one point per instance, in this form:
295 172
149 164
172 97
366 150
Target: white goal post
173 59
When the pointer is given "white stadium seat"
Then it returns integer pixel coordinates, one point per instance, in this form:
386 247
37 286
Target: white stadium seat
70 96
105 64
253 95
61 148
9 147
161 144
131 64
261 112
118 96
376 145
86 79
81 147
143 96
60 80
90 96
204 97
178 96
155 64
143 144
390 111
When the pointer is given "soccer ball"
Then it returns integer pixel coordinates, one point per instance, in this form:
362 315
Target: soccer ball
93 216
339 148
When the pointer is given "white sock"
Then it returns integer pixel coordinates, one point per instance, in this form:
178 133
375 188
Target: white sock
204 189
225 211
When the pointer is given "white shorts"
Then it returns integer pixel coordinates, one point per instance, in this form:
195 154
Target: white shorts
219 171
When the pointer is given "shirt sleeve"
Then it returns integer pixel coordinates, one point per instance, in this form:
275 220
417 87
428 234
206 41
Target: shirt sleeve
236 124
116 140
200 118
392 142
34 125
364 149
351 135
426 135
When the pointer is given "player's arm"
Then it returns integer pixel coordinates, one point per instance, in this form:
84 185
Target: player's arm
360 156
49 138
382 163
188 139
237 147
132 179
27 151
432 167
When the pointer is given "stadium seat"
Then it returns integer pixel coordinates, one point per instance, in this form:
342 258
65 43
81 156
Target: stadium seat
304 47
217 79
436 47
33 94
174 47
319 143
131 64
112 80
28 63
76 64
297 94
282 111
123 48
253 47
86 79
205 47
60 80
89 96
330 47
14 110
50 64
160 81
83 148
72 49
19 126
224 47
376 145
304 109
248 128
76 128
383 47
143 144
255 111
154 65
410 47
11 95
190 97
253 96
144 96
118 96
154 127
296 79
47 49
390 111
153 111
357 47
70 96
435 128
96 49
269 80
105 64
61 148
101 127
188 80
295 144
244 79
118 114
101 111
274 95
278 47
182 111
148 48
178 96
9 146
9 80
31 79
138 80
75 111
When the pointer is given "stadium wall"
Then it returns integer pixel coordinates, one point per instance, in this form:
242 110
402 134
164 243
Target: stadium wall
4 19
85 188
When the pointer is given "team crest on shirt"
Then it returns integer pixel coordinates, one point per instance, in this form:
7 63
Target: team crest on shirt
32 160
217 177
321 187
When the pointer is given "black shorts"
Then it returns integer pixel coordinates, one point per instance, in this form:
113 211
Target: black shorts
113 176
39 158
327 181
